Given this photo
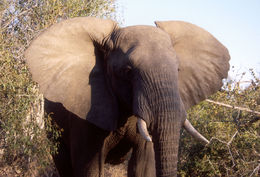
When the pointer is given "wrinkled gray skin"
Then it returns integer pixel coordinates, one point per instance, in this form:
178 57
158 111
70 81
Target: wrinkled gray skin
94 83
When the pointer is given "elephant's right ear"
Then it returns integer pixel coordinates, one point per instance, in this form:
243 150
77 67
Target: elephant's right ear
203 60
66 63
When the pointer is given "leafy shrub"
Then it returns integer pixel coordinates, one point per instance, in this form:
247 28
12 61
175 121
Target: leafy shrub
231 121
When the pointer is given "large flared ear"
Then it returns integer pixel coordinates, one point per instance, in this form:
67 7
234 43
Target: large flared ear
68 66
203 60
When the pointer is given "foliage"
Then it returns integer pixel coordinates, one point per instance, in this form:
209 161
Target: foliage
23 143
234 133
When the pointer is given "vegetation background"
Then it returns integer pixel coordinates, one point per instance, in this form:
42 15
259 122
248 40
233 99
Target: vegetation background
230 118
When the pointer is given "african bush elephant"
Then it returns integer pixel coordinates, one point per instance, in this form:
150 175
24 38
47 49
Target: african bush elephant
114 89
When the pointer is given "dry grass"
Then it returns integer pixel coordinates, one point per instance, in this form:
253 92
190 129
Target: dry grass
116 170
14 171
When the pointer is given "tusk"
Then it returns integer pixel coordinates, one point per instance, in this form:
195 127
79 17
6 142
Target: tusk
189 128
143 129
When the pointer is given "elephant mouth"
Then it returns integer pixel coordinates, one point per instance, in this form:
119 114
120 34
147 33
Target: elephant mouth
142 128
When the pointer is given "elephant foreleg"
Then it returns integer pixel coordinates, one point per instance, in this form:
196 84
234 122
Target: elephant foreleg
86 144
142 163
62 160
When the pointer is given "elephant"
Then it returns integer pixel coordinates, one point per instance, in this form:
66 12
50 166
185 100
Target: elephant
115 89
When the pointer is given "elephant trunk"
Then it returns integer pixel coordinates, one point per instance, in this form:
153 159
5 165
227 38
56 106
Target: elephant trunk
166 142
157 102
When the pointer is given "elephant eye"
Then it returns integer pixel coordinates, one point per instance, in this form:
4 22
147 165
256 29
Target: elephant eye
126 72
128 69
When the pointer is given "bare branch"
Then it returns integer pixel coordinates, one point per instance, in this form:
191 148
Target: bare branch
212 166
233 107
233 161
214 138
14 17
255 170
228 146
230 141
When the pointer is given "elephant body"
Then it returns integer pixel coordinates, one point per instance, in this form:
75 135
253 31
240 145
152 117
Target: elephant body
114 89
84 148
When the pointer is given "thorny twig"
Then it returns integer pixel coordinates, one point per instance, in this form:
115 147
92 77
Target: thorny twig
14 17
230 141
211 164
255 170
228 146
229 150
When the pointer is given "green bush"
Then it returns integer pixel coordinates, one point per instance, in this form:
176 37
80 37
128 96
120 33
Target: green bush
229 121
24 148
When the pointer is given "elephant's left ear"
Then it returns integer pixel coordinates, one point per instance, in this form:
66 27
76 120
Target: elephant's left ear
67 61
203 60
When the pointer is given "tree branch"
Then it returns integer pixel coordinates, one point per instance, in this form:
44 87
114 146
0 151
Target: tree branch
234 107
13 18
255 170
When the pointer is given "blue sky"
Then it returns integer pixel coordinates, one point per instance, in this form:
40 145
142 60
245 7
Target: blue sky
235 23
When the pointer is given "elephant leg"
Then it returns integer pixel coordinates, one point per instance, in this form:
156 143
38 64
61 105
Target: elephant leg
142 162
60 116
62 160
86 144
117 146
119 153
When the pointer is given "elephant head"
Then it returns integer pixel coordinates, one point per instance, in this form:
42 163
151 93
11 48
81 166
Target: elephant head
104 73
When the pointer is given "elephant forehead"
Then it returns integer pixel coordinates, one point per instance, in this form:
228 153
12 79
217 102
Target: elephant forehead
144 45
134 36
